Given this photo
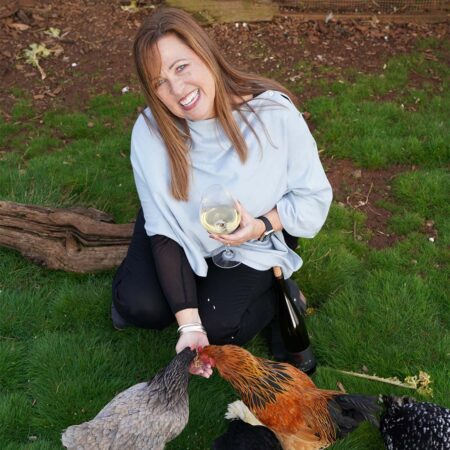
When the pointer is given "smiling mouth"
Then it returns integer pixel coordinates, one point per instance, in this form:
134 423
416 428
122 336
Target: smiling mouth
190 99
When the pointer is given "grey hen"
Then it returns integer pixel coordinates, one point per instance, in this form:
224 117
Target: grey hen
145 416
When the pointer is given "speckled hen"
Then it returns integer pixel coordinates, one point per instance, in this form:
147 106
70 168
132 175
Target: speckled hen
410 425
145 416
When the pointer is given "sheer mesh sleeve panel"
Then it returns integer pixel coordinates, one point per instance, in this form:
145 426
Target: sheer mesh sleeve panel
174 272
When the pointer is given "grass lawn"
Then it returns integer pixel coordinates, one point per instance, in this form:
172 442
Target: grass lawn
387 310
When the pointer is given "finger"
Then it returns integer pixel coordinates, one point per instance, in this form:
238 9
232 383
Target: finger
202 373
222 240
216 237
238 235
196 371
239 207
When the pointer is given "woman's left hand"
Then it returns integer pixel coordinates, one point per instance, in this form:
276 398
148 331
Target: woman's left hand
249 228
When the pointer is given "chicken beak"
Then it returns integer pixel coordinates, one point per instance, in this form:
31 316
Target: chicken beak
201 361
197 363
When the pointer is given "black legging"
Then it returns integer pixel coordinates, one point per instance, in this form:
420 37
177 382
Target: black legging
155 280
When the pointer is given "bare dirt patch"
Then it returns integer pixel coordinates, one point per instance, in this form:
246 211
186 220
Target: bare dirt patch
363 190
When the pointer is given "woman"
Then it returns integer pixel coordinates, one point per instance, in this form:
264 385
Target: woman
208 123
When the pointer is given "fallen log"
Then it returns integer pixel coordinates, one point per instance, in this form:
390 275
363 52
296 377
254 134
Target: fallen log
72 239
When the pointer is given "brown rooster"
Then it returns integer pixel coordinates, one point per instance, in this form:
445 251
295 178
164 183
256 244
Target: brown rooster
286 400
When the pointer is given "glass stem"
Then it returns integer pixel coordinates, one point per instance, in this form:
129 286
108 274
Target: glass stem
228 253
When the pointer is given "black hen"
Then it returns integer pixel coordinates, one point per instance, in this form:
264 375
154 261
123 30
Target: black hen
349 410
243 436
245 432
410 425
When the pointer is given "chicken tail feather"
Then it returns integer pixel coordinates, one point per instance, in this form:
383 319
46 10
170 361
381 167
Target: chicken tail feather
349 410
238 410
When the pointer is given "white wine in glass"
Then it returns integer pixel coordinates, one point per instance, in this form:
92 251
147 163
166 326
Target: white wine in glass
222 219
219 215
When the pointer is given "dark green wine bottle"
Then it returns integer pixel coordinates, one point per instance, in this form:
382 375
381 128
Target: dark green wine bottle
293 327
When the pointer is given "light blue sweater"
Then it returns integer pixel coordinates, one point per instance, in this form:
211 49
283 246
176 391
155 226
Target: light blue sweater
285 171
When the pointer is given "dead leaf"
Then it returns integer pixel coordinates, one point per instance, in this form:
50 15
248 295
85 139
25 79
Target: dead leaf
329 17
57 50
132 7
53 32
38 96
362 28
306 115
57 90
18 26
341 387
7 9
34 53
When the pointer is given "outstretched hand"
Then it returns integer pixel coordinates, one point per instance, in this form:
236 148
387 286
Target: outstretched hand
195 340
249 228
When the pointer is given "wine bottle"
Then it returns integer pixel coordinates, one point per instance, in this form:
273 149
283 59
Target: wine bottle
293 327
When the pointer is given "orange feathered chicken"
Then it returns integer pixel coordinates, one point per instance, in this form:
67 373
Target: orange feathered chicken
286 400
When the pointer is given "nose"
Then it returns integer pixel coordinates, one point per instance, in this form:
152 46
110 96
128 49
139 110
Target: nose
176 86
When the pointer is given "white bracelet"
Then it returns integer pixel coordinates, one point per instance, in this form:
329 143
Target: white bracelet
191 327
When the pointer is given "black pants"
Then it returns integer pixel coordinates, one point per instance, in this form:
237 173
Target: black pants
234 304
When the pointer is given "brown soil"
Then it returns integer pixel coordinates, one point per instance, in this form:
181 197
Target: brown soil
363 190
93 55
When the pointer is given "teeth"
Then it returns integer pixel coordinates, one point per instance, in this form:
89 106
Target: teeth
190 98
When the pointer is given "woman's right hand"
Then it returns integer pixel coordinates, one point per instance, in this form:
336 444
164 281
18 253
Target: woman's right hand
194 340
249 229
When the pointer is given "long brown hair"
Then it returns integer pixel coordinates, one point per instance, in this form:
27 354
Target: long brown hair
229 82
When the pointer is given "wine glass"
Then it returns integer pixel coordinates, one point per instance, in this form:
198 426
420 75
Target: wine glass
219 215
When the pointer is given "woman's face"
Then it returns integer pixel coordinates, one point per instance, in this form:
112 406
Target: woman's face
185 84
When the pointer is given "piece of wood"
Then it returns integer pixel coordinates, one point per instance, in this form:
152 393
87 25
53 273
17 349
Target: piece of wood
225 11
364 17
70 239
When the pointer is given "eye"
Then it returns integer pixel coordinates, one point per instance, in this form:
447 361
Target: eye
181 67
159 83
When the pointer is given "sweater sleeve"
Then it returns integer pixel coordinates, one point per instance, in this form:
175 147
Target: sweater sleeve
174 273
304 207
163 215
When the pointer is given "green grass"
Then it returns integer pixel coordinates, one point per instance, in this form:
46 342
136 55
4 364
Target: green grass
385 309
83 158
408 128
